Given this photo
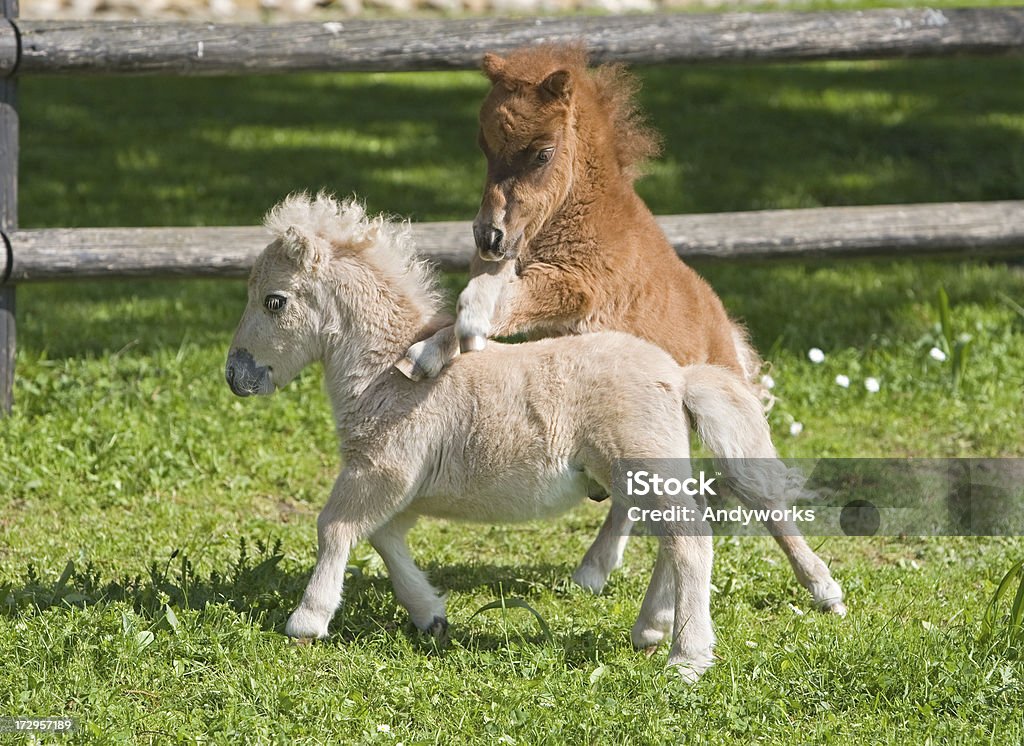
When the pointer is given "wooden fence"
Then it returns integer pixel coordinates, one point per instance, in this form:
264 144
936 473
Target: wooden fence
123 48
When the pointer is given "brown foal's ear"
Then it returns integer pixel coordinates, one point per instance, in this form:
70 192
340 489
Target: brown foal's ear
558 85
493 66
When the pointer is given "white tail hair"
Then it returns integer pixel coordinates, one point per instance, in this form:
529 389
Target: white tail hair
730 421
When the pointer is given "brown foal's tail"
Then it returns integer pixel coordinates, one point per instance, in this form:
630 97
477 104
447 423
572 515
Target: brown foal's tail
752 364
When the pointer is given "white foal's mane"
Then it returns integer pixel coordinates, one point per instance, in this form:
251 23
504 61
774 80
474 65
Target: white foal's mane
384 244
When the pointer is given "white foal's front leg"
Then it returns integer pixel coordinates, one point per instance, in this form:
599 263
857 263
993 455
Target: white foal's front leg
360 501
412 588
479 302
427 358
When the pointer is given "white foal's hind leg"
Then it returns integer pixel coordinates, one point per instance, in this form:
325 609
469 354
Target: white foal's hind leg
678 598
731 423
769 484
427 358
412 588
605 554
693 638
810 570
360 501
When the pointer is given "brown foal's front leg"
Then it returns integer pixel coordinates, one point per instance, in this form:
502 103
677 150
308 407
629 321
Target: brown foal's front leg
499 302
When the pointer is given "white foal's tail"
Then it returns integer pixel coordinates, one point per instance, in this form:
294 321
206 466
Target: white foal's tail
730 420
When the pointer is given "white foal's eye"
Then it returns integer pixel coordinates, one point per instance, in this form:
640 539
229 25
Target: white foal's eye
274 303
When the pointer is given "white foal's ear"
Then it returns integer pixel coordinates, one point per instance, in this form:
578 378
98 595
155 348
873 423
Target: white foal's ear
301 247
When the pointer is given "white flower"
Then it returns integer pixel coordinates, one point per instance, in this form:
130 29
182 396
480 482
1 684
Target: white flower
936 354
816 356
751 644
872 385
796 428
843 381
767 381
383 728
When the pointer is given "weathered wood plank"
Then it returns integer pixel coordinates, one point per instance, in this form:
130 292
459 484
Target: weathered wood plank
8 219
950 229
956 229
193 48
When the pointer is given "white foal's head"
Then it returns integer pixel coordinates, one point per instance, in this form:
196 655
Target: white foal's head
278 334
332 280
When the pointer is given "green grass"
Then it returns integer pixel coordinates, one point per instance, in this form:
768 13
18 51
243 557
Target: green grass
128 457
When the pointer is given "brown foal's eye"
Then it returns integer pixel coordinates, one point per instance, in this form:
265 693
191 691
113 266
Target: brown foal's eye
274 303
545 155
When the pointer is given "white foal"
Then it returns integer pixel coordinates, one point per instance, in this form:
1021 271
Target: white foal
495 286
510 434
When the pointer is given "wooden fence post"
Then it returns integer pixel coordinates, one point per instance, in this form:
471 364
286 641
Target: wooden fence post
8 220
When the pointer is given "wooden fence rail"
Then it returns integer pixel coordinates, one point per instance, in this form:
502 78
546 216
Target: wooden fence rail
117 48
961 229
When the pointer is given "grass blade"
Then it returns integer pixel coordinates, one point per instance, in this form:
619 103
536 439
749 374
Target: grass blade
945 319
1011 303
1015 628
518 603
959 362
1017 608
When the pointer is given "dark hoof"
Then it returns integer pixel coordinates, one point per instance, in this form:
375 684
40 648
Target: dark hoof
596 492
438 630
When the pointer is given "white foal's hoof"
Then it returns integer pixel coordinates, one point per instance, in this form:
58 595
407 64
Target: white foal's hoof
590 578
833 606
472 343
305 625
691 668
647 637
828 597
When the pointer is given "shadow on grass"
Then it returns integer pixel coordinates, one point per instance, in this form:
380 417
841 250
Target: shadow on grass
222 151
786 303
100 317
740 138
256 587
858 304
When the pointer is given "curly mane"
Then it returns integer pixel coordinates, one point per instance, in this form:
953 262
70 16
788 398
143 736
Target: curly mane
383 244
608 90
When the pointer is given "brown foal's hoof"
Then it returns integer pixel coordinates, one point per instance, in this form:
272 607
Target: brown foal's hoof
473 343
